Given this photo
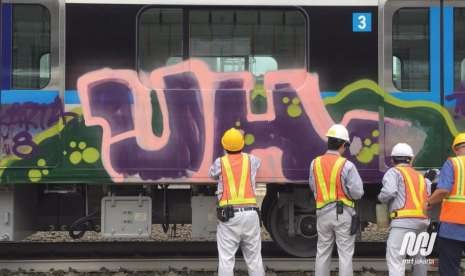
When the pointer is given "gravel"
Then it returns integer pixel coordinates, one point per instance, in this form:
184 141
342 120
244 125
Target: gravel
374 233
182 233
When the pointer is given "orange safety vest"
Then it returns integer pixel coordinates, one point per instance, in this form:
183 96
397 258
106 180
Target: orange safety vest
415 194
453 206
236 177
327 169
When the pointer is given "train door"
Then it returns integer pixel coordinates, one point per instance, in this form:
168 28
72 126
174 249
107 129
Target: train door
31 85
454 61
410 65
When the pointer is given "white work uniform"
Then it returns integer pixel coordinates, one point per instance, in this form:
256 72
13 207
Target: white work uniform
331 228
243 230
393 193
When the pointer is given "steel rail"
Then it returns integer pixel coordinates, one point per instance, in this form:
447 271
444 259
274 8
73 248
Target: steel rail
178 264
131 249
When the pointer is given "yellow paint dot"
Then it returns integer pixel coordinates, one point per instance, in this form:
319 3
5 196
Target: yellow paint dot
25 149
285 100
41 163
34 175
375 148
294 110
75 157
82 145
367 142
296 100
72 144
375 133
249 139
45 172
90 155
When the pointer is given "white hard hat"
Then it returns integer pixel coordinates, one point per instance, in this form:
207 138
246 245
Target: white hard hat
338 131
402 149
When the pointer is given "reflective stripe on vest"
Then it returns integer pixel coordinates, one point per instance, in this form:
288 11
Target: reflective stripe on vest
415 194
331 174
454 205
233 195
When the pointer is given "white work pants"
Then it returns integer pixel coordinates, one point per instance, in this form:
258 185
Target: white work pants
332 229
395 261
242 230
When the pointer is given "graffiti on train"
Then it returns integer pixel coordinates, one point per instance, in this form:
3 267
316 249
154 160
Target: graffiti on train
166 126
20 121
195 106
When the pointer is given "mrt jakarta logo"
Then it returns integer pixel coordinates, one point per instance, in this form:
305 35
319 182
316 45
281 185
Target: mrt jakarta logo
423 244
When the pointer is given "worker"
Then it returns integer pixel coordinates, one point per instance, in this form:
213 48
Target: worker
238 217
405 191
451 192
335 183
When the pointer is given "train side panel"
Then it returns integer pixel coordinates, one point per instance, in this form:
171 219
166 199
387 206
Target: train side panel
148 96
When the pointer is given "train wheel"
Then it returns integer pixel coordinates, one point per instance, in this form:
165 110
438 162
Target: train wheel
293 231
267 203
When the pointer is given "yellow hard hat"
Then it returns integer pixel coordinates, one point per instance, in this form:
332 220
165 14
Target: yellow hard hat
459 139
232 140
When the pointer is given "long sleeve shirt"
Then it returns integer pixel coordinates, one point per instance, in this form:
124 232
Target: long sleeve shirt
215 173
446 181
351 184
393 193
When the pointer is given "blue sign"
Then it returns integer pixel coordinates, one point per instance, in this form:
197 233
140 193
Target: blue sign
361 22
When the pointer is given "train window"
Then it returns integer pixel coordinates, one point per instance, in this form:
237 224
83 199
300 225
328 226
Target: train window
254 40
410 49
30 46
459 47
396 70
160 38
260 65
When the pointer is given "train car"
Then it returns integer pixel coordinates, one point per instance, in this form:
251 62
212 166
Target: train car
130 98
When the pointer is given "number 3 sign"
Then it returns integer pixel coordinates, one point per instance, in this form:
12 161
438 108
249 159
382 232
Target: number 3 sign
361 22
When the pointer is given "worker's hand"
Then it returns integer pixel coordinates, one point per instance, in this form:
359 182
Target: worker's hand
431 174
427 207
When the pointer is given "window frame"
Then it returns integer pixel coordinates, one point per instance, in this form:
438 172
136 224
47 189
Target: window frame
402 61
462 62
186 47
41 54
57 11
385 60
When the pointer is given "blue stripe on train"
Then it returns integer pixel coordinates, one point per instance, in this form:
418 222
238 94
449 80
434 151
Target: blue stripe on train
23 96
72 97
39 96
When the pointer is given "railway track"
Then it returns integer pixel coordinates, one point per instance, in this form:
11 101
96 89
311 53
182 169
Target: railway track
177 264
146 249
162 256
